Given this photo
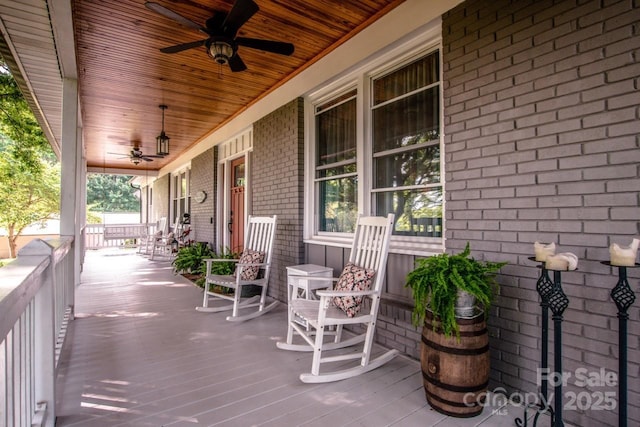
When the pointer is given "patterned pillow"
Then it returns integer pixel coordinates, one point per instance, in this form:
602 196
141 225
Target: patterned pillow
353 278
249 256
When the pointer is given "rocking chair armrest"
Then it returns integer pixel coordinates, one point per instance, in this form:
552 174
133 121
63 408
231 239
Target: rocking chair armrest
252 264
330 294
210 260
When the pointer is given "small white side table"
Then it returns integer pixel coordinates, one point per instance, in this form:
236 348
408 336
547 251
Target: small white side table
304 288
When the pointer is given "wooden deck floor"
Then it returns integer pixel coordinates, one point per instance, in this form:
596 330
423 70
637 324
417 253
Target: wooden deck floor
138 354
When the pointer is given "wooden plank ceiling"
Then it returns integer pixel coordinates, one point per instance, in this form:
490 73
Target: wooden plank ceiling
124 77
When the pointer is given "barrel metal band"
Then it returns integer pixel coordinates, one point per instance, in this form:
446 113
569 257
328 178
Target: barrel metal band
462 333
456 388
456 351
475 404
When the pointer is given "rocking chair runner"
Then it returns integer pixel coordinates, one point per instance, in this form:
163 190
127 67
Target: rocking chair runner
313 319
252 268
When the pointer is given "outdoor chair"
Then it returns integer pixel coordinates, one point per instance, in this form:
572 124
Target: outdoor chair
164 246
252 268
152 234
354 300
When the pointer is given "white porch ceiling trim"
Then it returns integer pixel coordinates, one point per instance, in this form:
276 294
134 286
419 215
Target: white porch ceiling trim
30 51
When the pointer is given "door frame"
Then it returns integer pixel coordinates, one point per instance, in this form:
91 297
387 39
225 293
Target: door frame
233 149
237 222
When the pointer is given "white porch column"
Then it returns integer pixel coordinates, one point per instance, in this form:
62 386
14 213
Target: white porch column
71 172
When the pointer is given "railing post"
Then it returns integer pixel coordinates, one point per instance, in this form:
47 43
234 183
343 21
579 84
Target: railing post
44 336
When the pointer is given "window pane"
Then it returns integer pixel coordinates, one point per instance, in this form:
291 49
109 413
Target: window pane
414 167
420 73
336 134
238 175
175 209
407 121
338 208
418 212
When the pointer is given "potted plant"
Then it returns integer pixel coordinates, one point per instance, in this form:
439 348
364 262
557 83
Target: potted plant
452 294
444 282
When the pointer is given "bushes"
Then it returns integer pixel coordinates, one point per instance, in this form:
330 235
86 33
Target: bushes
190 259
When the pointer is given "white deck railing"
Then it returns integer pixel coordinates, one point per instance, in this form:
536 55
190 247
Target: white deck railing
36 302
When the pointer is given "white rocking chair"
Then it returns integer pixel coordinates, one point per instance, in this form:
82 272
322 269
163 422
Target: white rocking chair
166 246
152 234
313 319
250 270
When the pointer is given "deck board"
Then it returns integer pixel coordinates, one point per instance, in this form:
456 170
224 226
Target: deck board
140 355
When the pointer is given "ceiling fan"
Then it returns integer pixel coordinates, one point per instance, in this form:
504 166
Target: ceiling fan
136 156
221 29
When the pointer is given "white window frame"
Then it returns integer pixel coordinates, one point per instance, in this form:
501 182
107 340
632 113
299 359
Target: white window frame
361 78
176 194
334 94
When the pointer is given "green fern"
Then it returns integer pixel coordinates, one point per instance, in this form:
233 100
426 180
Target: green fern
189 258
435 282
221 267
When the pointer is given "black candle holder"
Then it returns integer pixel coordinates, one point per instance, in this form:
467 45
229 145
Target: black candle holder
551 297
624 297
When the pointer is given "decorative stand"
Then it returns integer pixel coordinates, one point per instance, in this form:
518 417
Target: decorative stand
551 296
624 297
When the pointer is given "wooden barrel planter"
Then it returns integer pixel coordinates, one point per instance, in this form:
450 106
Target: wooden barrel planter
456 373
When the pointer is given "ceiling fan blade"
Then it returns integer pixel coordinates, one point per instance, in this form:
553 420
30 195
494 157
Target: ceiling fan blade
183 46
281 48
236 63
154 156
240 13
168 13
120 155
145 158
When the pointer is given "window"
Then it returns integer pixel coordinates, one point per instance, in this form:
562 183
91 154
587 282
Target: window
335 169
406 179
180 195
377 150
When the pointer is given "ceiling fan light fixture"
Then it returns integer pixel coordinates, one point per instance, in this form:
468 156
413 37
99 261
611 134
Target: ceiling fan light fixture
221 52
162 140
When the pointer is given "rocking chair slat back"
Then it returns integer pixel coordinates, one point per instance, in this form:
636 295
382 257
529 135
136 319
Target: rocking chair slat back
371 238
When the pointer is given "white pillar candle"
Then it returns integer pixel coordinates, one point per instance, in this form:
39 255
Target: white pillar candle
624 255
542 250
563 261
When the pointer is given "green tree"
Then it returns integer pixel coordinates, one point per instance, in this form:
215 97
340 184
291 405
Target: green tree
111 193
29 173
27 196
19 125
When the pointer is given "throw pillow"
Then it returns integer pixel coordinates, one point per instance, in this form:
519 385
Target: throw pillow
353 278
249 256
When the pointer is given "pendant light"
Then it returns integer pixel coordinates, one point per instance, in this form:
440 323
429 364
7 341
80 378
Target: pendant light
162 140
